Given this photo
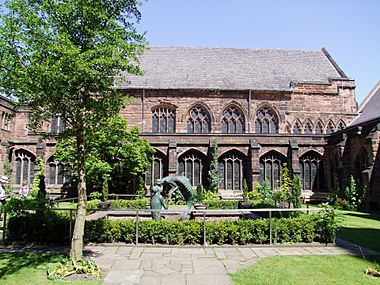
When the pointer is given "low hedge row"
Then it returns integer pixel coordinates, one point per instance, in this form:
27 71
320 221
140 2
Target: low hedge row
51 227
47 227
318 227
120 204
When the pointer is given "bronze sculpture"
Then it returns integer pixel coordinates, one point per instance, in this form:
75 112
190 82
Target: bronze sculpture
156 203
182 183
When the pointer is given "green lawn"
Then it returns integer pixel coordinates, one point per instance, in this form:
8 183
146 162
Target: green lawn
304 270
360 228
30 268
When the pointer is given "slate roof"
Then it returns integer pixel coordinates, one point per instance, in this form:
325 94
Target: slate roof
231 68
369 109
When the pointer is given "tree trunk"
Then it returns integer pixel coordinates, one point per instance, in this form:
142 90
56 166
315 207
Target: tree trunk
76 252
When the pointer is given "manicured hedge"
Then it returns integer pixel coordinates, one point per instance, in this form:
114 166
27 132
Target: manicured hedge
50 227
304 228
221 204
120 204
47 227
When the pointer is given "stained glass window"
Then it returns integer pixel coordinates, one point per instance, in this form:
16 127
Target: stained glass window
270 169
156 170
266 121
24 167
341 125
231 172
297 128
330 128
58 172
310 171
308 130
191 165
163 120
232 121
198 121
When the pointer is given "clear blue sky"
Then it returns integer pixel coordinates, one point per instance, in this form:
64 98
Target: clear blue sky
348 29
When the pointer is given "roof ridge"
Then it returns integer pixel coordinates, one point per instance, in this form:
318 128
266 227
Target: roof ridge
236 48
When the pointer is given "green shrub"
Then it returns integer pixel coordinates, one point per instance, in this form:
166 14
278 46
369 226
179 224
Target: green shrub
221 204
43 227
318 227
120 204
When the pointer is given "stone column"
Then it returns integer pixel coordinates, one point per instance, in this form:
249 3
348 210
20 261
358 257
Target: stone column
294 158
255 161
173 159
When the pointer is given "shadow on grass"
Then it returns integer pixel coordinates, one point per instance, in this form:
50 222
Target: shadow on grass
372 216
12 262
365 237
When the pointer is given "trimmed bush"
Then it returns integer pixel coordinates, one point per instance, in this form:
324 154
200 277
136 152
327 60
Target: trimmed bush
120 204
221 204
318 227
43 227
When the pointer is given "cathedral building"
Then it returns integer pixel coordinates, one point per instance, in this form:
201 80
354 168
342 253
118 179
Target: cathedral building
263 108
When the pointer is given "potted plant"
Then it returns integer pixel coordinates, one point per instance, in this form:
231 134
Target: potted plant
245 204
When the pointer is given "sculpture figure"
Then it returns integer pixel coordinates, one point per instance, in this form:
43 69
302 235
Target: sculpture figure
182 183
157 202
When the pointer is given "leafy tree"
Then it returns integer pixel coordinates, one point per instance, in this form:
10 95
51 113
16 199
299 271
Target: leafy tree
61 58
213 172
113 152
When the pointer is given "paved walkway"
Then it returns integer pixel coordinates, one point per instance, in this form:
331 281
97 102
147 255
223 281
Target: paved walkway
175 265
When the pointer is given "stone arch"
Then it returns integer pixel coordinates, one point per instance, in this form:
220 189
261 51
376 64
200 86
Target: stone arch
271 164
163 118
308 127
297 127
233 119
341 125
194 165
158 167
330 127
57 173
23 166
267 119
233 168
199 119
319 127
312 171
287 128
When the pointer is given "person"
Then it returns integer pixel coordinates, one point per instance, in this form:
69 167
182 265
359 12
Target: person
24 190
157 202
3 181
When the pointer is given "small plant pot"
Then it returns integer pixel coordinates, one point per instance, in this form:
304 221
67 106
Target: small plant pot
104 205
245 205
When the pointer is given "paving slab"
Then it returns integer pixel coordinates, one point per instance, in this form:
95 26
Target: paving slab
208 279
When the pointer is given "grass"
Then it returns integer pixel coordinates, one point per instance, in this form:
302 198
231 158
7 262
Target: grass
304 270
361 228
30 268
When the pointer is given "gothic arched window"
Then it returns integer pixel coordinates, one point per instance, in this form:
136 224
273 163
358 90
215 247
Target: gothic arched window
57 171
24 166
198 121
232 121
311 171
230 169
163 120
330 128
156 170
57 124
266 121
318 128
191 166
270 169
297 129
